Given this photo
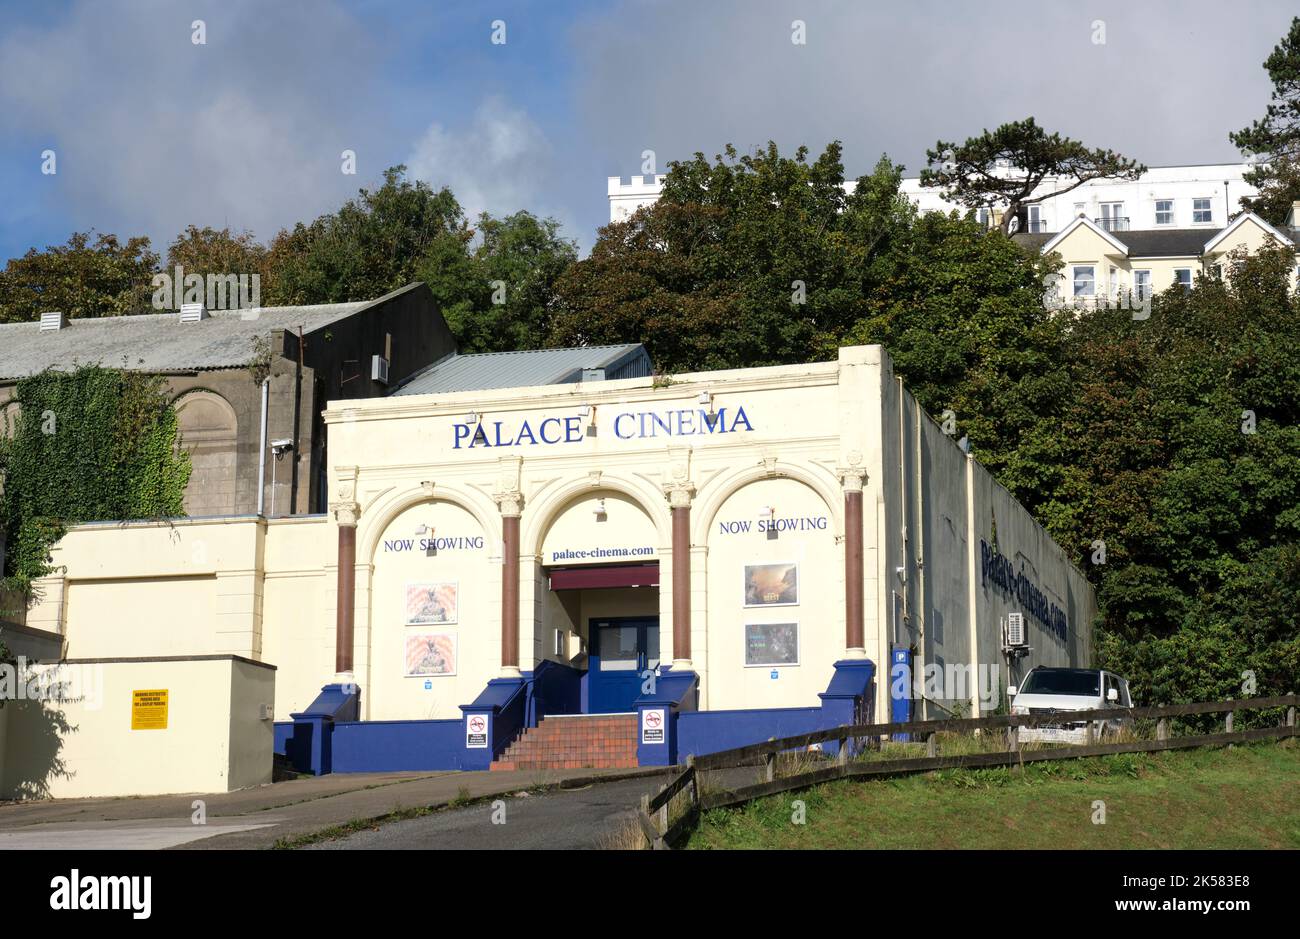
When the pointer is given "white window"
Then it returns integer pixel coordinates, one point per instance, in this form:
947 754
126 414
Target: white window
1164 211
1112 216
1183 277
1036 223
1201 211
1085 281
983 217
1114 282
1142 284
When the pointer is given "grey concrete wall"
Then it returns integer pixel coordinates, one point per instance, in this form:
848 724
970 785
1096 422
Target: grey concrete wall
934 505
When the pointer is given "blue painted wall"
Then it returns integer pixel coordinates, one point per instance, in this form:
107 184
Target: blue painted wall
700 732
393 746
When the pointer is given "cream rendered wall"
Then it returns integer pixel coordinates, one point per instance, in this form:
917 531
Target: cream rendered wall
214 741
810 543
298 608
395 453
183 587
463 557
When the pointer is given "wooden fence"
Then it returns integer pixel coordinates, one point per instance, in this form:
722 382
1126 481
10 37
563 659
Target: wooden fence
661 831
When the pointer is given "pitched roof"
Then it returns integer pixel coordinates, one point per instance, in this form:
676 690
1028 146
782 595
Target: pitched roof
1157 242
159 342
480 372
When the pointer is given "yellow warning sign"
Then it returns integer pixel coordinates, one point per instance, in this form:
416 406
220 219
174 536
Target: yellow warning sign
149 709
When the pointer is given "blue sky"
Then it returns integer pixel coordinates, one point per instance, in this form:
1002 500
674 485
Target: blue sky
153 132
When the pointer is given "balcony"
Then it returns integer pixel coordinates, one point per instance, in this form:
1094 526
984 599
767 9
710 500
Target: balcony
1037 227
1113 223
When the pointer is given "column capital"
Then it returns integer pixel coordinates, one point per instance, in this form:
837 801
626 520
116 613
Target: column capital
511 503
345 513
679 495
852 477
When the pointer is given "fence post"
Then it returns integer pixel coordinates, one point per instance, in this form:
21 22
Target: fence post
1090 734
931 744
1013 738
842 758
1290 722
1162 729
769 761
695 781
657 842
663 816
1227 723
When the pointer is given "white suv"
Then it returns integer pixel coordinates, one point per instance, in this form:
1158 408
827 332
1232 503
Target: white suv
1061 690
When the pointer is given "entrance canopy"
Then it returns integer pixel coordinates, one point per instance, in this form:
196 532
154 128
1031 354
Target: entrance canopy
602 576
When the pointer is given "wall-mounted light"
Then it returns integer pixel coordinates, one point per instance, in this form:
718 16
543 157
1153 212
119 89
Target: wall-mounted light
706 398
767 511
589 411
599 509
424 529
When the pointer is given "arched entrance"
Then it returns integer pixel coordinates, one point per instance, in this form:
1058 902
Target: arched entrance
598 586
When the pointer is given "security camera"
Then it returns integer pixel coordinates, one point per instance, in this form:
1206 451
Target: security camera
281 444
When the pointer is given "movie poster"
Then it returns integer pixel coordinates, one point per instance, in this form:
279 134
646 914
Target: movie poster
771 585
430 655
431 604
771 644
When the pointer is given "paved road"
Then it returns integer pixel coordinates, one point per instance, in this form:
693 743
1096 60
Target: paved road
566 819
259 817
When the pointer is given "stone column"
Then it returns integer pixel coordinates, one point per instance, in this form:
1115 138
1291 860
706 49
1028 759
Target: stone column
852 478
510 501
345 516
680 491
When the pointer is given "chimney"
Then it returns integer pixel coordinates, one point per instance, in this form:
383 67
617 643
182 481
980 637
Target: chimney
53 320
193 312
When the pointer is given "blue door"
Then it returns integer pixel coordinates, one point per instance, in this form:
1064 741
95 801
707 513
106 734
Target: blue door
622 648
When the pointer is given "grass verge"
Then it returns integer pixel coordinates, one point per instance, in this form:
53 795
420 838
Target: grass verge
1241 797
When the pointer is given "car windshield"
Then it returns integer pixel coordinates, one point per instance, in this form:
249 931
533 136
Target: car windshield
1078 681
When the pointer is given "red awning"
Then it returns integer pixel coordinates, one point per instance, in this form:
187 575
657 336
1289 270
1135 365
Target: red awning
607 575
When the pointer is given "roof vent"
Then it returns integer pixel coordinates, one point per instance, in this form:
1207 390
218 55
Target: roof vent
193 312
54 320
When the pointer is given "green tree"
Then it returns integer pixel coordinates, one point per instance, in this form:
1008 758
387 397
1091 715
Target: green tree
501 296
1276 136
1005 167
89 445
373 244
746 260
80 278
1180 449
205 251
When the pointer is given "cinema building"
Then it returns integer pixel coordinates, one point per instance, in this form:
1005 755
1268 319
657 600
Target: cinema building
601 571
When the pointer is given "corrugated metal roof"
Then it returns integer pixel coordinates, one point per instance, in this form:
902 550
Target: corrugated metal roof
156 342
482 371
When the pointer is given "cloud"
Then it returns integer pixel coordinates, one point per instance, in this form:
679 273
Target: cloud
154 132
500 161
1166 87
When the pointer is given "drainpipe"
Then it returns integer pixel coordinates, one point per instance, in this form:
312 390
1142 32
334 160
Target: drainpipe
261 450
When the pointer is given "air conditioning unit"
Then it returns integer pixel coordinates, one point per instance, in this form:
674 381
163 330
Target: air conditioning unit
1016 630
379 369
193 312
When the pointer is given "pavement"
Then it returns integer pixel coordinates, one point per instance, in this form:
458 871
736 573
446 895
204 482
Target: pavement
258 818
591 817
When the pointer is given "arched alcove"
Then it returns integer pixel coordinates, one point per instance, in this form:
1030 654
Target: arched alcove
208 430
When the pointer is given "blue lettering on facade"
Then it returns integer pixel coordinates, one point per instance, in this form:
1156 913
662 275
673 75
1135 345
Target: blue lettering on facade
765 525
998 569
456 543
628 425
